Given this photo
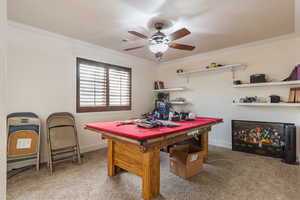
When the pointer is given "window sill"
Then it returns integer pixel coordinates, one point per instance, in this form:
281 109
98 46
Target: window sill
103 109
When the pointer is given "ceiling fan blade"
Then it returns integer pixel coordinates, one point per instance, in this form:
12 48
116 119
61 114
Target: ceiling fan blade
133 48
181 46
179 34
138 34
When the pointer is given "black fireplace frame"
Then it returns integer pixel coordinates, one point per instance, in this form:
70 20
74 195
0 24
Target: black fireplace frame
263 150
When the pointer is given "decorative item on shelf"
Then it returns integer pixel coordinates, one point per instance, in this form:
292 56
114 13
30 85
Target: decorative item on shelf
237 82
159 85
156 86
214 65
234 100
179 71
248 100
294 96
274 99
258 78
295 75
261 100
251 100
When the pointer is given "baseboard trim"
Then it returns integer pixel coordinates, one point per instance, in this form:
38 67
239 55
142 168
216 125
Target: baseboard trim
93 147
229 146
220 144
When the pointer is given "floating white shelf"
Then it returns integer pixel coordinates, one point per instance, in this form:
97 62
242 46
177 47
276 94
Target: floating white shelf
268 104
231 68
170 89
267 84
179 103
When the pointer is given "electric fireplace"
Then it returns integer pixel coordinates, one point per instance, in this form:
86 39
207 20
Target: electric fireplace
263 138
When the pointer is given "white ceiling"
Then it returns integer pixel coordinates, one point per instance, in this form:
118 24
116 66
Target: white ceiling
215 24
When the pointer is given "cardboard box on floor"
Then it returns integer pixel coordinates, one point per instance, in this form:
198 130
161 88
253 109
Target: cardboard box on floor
186 160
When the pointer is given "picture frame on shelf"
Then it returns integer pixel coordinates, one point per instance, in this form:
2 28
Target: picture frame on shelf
158 85
161 85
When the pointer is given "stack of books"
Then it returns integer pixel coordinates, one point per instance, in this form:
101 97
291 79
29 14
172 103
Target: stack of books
294 96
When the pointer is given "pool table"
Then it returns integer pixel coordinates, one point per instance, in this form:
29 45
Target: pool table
137 150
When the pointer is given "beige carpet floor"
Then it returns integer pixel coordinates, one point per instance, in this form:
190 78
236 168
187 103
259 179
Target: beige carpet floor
228 176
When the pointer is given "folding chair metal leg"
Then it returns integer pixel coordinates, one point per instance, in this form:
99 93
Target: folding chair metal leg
38 162
51 167
78 154
74 154
50 162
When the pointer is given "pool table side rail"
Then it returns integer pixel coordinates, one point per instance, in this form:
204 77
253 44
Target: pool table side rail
157 142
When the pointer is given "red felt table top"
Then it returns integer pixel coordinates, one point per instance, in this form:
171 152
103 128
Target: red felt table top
132 131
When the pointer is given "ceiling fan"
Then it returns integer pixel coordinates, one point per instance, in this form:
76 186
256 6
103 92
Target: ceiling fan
159 42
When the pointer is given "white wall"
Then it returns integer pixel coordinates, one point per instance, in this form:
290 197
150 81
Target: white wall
3 27
41 78
297 16
212 94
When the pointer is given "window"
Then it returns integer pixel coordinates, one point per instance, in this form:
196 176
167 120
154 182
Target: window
102 87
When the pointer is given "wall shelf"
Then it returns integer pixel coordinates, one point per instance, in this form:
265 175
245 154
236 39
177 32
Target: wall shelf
170 89
231 68
269 104
179 103
279 83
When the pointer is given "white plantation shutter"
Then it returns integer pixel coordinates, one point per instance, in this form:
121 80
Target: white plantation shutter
119 87
102 87
92 85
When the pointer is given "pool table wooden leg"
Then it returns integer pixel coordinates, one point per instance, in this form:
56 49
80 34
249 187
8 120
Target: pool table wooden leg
111 168
151 174
204 145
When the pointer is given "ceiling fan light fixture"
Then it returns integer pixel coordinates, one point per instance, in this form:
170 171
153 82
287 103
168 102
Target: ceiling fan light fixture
158 48
159 42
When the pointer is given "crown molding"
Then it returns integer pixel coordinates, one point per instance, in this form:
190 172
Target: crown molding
234 48
25 27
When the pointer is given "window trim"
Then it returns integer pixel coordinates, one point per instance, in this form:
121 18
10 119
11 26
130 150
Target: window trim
83 109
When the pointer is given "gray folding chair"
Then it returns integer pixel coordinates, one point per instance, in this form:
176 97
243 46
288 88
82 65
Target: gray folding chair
62 139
